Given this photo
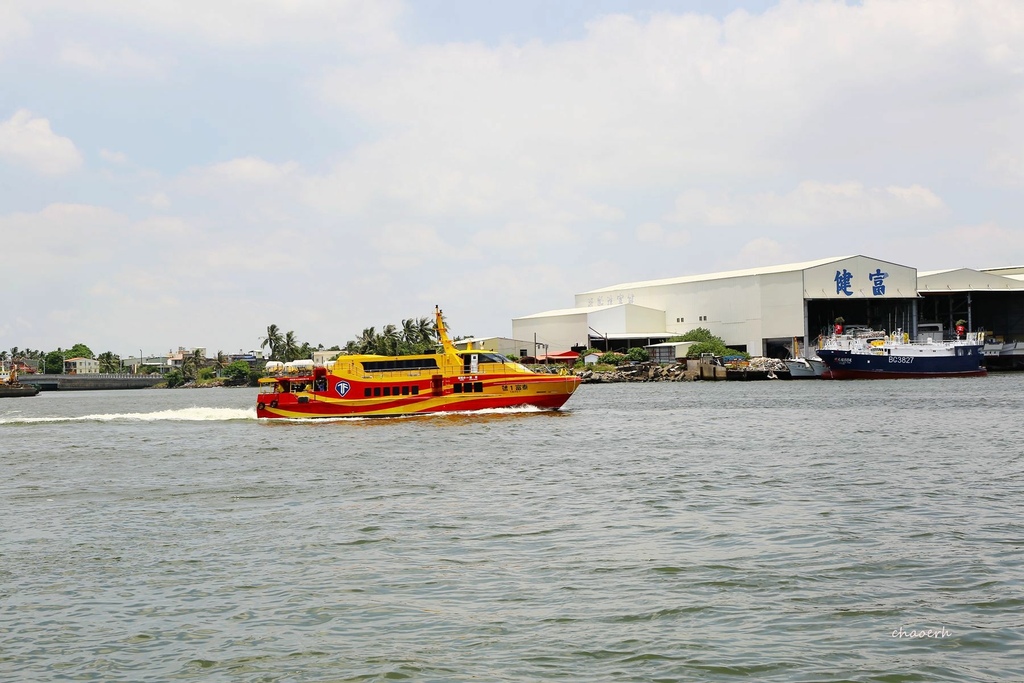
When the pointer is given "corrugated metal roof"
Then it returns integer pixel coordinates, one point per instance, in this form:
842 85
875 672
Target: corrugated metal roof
1004 270
635 335
966 280
764 270
567 311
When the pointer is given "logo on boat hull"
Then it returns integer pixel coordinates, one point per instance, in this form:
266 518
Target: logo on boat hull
342 387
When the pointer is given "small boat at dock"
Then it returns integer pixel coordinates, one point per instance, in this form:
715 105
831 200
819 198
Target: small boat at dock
801 367
805 368
449 380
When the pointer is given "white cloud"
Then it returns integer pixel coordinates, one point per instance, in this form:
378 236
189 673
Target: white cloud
13 26
656 234
761 251
1006 167
64 223
158 200
29 142
241 172
811 204
359 25
119 158
678 101
121 62
404 245
646 146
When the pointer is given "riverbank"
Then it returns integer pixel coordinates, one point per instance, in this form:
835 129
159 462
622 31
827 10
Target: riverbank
690 371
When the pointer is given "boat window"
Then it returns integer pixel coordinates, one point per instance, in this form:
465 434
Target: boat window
395 391
478 387
387 391
457 388
400 364
493 358
366 391
405 391
376 391
415 390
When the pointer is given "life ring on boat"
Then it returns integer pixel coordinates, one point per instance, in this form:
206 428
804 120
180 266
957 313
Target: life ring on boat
260 406
273 404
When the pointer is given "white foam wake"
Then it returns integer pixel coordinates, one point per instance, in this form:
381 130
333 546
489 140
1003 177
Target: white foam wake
193 414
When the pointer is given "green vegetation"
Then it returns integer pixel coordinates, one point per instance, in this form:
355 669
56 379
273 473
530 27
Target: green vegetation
53 363
415 335
611 358
237 373
638 354
174 378
79 351
707 343
109 362
285 347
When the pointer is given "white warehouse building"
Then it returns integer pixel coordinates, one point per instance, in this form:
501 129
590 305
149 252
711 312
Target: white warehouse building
760 310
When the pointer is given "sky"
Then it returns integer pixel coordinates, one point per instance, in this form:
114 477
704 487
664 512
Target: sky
185 174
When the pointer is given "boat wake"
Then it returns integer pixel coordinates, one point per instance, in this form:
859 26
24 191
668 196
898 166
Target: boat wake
193 414
201 414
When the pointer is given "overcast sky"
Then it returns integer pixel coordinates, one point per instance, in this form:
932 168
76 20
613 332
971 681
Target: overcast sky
186 173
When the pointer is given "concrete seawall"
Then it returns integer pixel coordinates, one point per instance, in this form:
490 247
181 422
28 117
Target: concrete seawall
93 382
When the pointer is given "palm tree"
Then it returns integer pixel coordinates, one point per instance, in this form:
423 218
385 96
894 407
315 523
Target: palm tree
109 362
188 367
410 333
367 341
389 338
289 347
274 340
427 329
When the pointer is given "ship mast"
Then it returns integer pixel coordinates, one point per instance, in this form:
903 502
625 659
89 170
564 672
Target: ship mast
442 332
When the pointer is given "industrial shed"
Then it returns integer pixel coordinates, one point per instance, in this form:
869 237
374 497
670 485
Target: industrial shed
760 310
991 300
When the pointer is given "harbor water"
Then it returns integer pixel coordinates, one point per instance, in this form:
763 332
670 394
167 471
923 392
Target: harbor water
716 531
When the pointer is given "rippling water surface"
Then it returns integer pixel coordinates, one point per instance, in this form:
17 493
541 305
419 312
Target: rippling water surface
771 531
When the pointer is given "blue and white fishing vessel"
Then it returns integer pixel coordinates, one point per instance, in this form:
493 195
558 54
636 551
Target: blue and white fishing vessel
876 355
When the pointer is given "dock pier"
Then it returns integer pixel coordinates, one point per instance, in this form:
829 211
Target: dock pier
92 381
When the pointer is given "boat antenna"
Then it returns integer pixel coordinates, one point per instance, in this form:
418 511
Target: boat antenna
442 332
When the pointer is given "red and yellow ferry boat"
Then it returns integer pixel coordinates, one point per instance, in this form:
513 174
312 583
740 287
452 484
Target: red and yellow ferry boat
379 386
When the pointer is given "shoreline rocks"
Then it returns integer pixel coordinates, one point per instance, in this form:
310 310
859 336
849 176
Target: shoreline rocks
756 369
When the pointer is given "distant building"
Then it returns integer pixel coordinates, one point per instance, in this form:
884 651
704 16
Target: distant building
769 311
323 357
175 359
669 352
518 348
81 366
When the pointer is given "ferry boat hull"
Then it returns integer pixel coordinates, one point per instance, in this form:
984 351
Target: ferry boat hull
547 395
389 386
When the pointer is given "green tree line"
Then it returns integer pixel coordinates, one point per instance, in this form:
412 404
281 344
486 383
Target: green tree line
414 335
